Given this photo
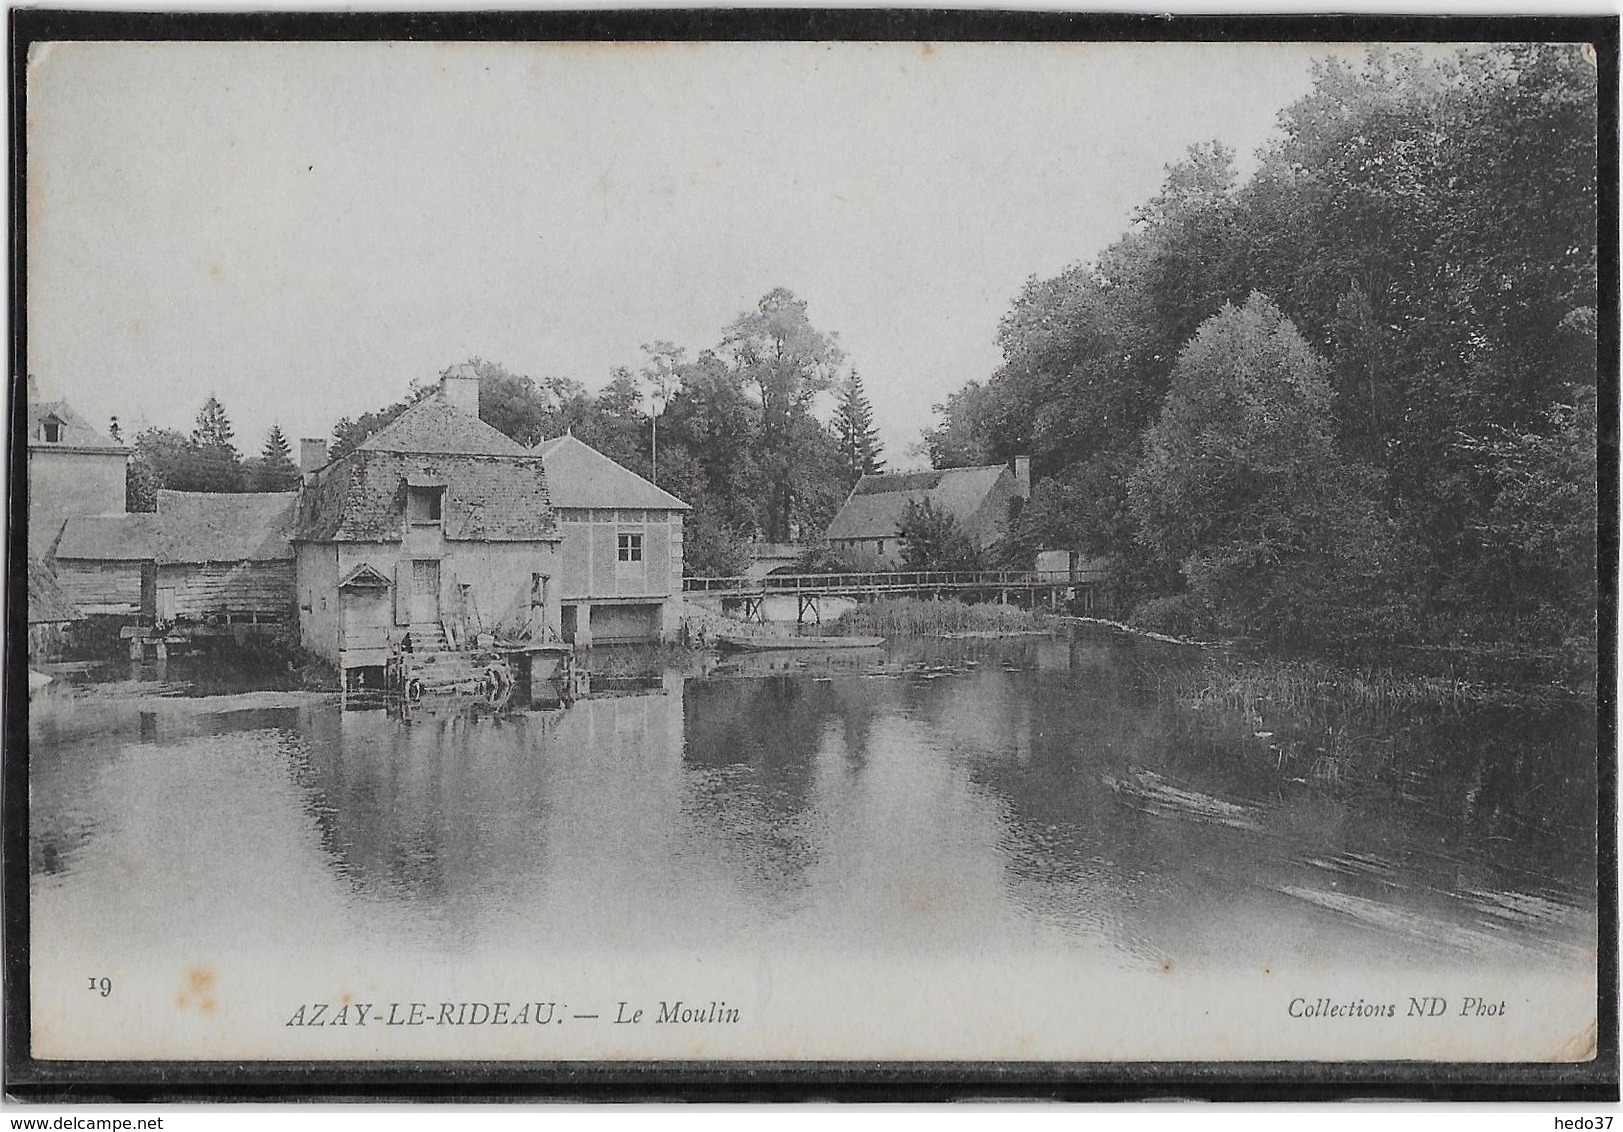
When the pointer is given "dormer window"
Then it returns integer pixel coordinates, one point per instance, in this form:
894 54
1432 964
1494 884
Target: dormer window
425 504
50 430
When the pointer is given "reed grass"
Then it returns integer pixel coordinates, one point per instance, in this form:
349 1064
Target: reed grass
1299 684
916 617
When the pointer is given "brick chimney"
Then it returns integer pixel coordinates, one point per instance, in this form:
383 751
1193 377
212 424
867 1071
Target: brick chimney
1022 475
312 453
460 388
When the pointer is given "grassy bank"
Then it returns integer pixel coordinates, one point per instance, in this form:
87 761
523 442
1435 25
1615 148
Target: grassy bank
1226 680
914 617
1298 684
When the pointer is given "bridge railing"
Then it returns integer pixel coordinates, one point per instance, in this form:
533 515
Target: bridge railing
878 581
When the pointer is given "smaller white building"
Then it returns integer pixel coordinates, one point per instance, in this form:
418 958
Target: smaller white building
621 571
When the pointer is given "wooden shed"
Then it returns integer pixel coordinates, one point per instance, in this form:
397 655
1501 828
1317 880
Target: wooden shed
225 557
201 557
107 564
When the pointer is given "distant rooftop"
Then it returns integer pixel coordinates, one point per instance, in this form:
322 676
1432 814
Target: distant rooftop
878 503
54 424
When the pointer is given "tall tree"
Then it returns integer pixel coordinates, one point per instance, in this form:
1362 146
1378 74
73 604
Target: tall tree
1540 536
964 438
662 375
213 426
1242 489
853 426
616 425
713 420
275 470
787 362
209 461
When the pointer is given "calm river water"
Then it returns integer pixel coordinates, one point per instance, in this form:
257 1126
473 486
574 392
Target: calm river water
947 800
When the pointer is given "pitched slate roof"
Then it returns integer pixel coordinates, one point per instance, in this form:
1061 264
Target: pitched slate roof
203 526
877 504
111 538
362 497
47 603
189 526
434 425
581 476
76 431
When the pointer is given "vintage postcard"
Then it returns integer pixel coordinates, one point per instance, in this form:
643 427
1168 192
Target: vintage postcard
1057 552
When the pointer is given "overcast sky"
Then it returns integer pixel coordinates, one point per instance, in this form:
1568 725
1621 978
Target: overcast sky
302 229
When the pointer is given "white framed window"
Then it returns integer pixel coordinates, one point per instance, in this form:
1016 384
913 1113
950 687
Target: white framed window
629 547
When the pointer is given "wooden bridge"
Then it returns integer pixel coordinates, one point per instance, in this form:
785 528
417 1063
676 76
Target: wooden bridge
1029 588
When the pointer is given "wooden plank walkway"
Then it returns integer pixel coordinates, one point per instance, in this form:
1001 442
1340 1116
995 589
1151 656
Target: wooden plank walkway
883 582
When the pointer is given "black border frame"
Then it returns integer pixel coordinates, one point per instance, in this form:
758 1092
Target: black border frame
30 1079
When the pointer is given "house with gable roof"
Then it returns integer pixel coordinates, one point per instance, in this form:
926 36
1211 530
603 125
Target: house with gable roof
73 469
983 501
438 528
621 576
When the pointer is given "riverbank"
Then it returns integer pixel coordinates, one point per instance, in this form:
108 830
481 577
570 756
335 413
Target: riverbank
1440 678
1131 631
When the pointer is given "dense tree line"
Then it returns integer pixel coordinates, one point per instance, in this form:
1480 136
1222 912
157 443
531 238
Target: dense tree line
206 460
1349 397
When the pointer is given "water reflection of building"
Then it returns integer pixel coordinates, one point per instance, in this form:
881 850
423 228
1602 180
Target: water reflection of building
438 813
483 820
